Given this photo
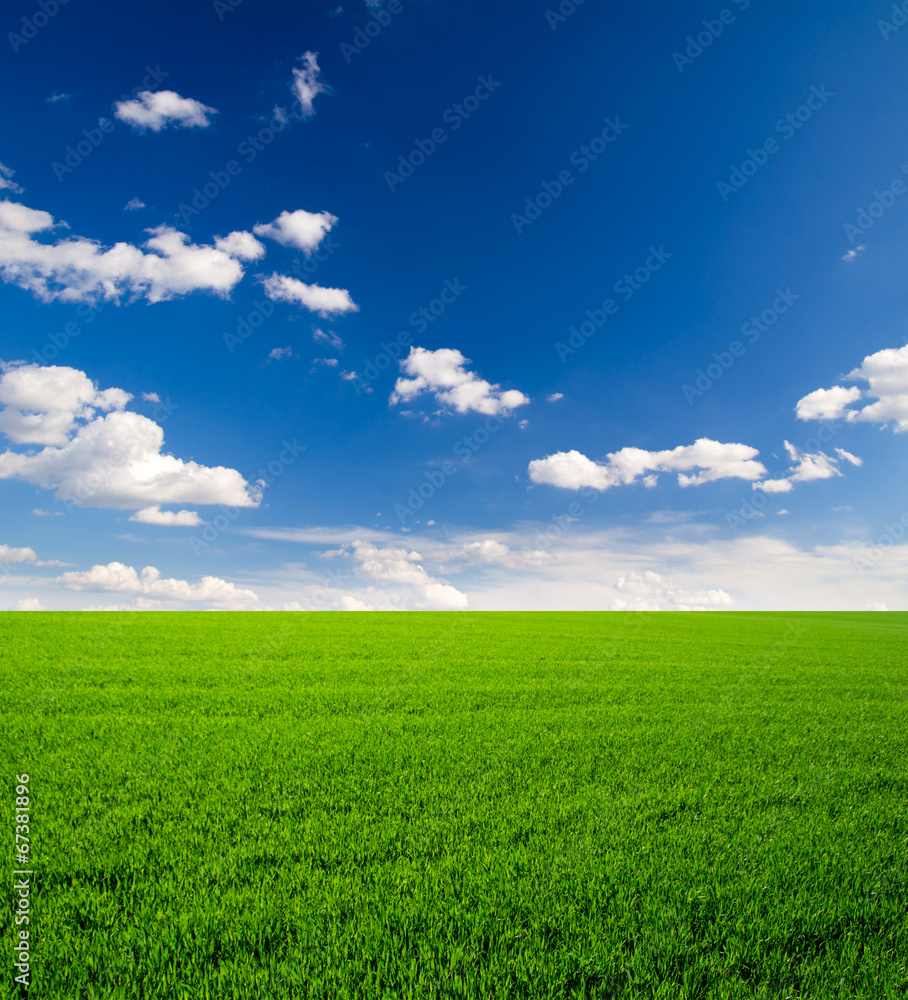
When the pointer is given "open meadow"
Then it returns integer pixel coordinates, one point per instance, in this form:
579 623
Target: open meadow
476 805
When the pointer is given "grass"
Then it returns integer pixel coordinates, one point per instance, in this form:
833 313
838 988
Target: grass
539 806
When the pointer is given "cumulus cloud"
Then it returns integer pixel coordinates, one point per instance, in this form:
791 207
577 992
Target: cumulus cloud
42 404
714 460
96 453
487 550
6 180
443 373
115 577
648 591
391 564
306 84
490 551
82 270
826 404
168 518
853 254
134 204
279 353
9 555
151 397
807 467
239 244
25 555
323 301
886 374
300 229
555 396
30 604
156 110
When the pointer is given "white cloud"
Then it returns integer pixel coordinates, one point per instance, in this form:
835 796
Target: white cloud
324 301
300 229
8 555
875 607
648 591
576 564
571 470
487 550
156 110
554 397
151 397
443 373
46 513
886 373
490 551
330 338
94 458
279 353
306 84
390 564
807 467
169 518
826 404
6 180
41 404
32 604
240 244
58 97
133 205
330 363
115 577
853 254
82 270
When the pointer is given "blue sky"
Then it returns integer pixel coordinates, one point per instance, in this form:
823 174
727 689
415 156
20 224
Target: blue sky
426 304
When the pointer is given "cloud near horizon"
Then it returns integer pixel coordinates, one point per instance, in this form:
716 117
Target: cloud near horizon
118 578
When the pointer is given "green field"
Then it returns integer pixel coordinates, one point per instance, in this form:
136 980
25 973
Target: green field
428 805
